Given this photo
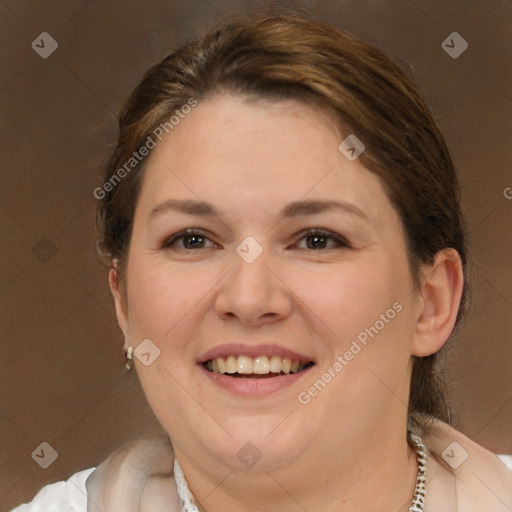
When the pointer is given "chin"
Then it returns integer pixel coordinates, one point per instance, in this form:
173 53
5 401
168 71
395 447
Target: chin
265 444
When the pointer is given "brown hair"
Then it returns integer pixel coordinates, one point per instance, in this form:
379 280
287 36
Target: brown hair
280 55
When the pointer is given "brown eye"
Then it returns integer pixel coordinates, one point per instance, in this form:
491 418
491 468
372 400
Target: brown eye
317 239
189 239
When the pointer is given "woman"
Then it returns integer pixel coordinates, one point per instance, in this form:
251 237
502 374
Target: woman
282 221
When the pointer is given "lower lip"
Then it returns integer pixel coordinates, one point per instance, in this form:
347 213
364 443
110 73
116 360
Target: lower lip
256 386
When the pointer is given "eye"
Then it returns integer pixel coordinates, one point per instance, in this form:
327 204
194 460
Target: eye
190 239
317 239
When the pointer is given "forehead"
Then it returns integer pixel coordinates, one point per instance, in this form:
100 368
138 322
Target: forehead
258 154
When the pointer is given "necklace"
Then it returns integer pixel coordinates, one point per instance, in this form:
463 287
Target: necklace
418 501
420 491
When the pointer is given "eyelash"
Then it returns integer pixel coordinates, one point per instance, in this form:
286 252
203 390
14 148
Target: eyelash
338 240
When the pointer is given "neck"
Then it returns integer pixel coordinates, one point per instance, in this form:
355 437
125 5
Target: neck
375 471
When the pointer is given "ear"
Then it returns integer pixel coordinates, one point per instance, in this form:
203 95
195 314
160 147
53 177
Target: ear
119 301
439 300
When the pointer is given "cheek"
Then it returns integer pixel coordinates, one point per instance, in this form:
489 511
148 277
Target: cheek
370 316
164 300
353 297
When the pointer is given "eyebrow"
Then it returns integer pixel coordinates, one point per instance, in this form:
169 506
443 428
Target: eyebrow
294 209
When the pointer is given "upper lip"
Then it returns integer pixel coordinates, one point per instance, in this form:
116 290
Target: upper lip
253 350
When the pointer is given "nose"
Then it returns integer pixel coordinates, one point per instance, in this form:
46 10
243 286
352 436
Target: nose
253 292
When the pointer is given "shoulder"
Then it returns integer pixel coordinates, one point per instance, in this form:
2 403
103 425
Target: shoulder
136 478
66 496
464 474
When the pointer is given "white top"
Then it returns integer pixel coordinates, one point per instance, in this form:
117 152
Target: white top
71 495
65 496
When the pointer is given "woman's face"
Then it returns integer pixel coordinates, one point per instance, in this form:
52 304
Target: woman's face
250 286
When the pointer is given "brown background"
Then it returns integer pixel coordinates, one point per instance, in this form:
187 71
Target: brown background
62 374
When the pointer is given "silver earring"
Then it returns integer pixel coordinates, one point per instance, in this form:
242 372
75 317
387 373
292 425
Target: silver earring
129 358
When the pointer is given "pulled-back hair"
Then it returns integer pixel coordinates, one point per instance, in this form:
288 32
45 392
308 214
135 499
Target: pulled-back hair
293 56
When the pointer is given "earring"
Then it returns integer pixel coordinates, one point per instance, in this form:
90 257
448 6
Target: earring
129 358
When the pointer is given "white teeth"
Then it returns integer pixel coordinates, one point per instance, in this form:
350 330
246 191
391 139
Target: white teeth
261 365
231 364
275 364
221 365
244 365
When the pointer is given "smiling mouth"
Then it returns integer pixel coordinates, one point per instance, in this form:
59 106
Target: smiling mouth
255 367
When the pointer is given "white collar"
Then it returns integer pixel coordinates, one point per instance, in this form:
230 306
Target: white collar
187 502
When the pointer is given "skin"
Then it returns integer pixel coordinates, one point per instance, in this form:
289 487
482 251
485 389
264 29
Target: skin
249 159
